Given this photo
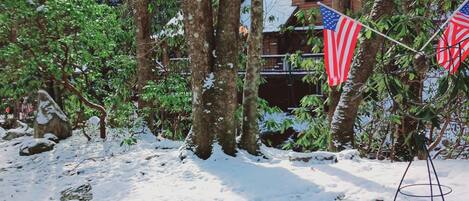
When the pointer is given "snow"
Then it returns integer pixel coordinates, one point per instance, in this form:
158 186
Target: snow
173 28
152 170
23 128
93 121
2 132
41 8
30 142
279 118
51 137
209 81
46 109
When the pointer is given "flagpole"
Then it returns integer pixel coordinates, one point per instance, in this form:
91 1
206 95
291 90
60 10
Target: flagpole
371 29
443 25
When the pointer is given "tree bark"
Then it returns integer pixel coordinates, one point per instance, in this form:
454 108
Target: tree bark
198 24
250 125
226 71
341 5
343 120
142 19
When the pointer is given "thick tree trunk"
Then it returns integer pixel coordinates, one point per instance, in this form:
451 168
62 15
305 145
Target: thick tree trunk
346 112
144 53
226 71
334 97
251 80
341 5
198 23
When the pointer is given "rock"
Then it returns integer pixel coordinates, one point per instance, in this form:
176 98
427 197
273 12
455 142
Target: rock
81 193
314 157
23 130
50 118
350 154
51 137
93 121
10 123
36 146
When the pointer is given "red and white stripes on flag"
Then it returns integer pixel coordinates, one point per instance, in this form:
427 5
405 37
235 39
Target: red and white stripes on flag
340 38
453 46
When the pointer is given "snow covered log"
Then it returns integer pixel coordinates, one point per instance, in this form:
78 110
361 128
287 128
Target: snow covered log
50 118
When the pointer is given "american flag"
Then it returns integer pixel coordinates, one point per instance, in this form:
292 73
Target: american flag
340 37
453 46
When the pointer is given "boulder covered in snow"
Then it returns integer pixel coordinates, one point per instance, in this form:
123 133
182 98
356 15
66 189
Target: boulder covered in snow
93 121
36 146
81 193
50 118
350 154
22 130
9 123
315 157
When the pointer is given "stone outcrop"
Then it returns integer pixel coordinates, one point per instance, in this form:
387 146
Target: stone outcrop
50 118
36 146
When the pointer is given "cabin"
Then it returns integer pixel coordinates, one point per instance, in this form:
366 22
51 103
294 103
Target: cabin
284 87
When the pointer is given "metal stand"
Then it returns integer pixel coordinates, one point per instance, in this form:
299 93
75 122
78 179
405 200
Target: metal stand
429 161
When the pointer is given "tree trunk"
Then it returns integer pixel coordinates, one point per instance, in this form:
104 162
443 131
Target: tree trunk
334 92
334 97
343 120
341 5
144 53
251 80
226 71
198 24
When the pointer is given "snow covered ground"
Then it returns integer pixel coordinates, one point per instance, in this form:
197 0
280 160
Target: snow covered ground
151 170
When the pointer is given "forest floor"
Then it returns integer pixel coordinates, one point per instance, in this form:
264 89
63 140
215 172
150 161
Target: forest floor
152 170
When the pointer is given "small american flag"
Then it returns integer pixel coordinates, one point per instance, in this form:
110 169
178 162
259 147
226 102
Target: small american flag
453 46
340 37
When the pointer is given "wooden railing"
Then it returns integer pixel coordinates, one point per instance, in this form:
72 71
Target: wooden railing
275 64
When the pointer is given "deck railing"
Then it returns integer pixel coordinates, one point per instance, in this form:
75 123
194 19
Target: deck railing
276 63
